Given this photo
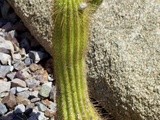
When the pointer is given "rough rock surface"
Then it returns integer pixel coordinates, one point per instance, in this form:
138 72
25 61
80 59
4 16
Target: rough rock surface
36 15
124 54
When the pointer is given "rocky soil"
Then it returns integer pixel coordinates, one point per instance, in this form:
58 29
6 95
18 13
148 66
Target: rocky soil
27 87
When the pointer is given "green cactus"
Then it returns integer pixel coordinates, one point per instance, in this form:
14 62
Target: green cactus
70 39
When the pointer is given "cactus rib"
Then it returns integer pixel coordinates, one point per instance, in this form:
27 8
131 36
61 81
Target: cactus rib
70 38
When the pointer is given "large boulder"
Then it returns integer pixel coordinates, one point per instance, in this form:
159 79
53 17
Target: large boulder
124 53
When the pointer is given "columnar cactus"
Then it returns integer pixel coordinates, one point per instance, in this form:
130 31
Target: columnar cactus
70 38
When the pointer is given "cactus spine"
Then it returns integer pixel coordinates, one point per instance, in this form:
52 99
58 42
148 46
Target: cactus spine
70 38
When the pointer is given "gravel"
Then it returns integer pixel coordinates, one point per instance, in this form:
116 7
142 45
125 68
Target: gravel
25 81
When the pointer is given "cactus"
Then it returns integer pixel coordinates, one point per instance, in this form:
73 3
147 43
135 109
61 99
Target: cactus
70 39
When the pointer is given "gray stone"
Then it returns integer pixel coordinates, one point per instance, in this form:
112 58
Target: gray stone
53 106
52 95
18 83
4 69
19 108
5 44
12 34
32 83
33 100
37 56
5 58
11 75
41 106
13 90
28 61
16 57
3 109
123 57
4 86
34 93
45 89
21 89
19 65
25 94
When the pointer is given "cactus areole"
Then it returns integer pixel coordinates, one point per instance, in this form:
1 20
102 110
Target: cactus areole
70 38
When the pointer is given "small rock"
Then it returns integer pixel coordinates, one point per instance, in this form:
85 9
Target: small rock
23 74
9 100
46 102
52 95
33 100
13 90
16 57
33 67
28 61
25 94
32 83
23 53
42 76
49 113
11 75
12 34
5 58
20 89
22 100
19 108
4 94
50 78
6 45
3 109
4 86
41 106
34 93
53 106
4 69
19 65
45 89
37 56
18 83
